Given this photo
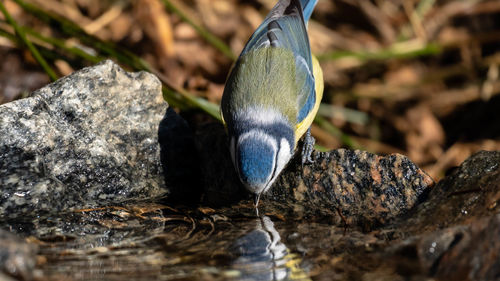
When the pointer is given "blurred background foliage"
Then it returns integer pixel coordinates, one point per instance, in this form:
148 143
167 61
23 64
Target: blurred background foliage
417 77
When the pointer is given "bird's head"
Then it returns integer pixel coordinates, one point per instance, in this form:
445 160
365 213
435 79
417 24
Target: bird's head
260 152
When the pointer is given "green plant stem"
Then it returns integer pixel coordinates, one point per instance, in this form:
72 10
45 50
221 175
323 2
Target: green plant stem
55 42
180 96
211 39
347 114
34 51
123 56
10 36
334 131
62 45
383 54
68 27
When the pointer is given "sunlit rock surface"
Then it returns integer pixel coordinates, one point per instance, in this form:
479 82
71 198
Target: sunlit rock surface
356 186
88 139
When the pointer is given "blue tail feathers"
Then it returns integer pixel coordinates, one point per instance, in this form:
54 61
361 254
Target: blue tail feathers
307 8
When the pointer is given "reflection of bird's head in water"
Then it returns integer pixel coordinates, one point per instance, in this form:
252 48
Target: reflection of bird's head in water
261 243
261 255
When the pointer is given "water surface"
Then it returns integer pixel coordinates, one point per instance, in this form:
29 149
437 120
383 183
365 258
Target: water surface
151 241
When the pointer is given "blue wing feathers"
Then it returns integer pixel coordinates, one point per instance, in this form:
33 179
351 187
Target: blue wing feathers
307 8
285 27
306 88
285 16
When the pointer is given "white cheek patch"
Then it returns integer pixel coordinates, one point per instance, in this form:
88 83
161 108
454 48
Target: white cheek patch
283 155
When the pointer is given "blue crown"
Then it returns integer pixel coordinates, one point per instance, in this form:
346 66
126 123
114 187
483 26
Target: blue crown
255 162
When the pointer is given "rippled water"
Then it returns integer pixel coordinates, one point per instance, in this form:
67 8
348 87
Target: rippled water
158 242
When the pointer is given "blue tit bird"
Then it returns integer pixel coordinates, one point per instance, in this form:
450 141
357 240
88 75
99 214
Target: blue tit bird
272 95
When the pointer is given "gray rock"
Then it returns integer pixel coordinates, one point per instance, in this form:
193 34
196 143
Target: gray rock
469 193
87 139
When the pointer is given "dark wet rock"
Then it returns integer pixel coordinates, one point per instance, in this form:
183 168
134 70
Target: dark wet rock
360 187
350 187
465 252
88 139
452 235
473 254
17 257
470 192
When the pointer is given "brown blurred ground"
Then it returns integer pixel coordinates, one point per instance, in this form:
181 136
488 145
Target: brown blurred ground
437 108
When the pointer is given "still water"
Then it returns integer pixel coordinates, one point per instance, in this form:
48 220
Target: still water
158 242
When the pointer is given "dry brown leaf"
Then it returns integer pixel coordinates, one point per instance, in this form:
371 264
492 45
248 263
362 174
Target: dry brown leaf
184 31
103 20
18 77
457 153
424 134
324 138
214 92
13 9
68 9
63 67
218 16
379 20
426 124
196 54
152 16
93 7
324 39
121 27
404 75
252 16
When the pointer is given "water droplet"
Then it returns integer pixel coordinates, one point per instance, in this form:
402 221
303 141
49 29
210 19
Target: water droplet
432 249
20 193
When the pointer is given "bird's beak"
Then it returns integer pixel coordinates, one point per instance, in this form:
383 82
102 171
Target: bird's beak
256 199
